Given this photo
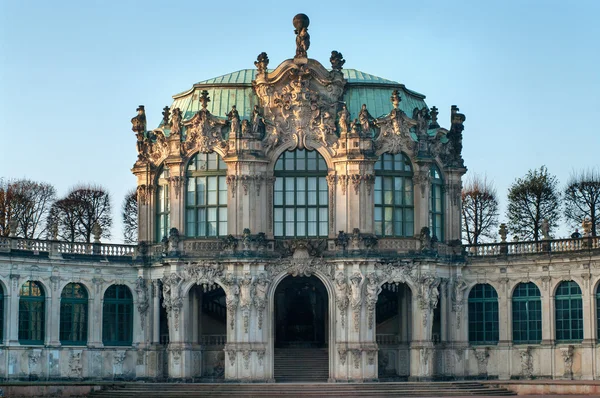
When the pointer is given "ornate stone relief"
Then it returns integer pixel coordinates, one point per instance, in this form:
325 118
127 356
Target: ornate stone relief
342 292
373 290
247 293
75 366
205 132
567 356
459 286
428 295
260 297
356 297
482 355
141 289
526 363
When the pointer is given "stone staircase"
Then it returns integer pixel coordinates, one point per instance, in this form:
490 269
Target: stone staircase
231 390
301 365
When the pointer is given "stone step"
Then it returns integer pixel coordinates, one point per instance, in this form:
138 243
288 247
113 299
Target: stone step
407 389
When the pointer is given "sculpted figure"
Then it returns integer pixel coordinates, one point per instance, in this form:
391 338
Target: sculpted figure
341 291
261 63
373 288
262 285
246 291
245 128
233 292
176 121
365 119
301 23
356 282
234 119
258 123
138 122
344 120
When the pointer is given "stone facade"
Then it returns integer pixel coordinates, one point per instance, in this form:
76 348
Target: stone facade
300 105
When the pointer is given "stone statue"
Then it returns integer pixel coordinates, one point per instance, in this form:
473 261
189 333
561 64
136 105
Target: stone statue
422 118
139 121
454 157
166 115
341 291
176 121
356 282
337 60
234 120
344 120
258 123
586 225
246 291
245 128
545 228
395 98
365 119
261 63
301 23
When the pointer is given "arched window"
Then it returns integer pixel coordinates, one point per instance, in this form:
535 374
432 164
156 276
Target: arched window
436 211
569 312
32 313
483 315
163 206
300 200
527 314
206 196
394 206
117 316
73 315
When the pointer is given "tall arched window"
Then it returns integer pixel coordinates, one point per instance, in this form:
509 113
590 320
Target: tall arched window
300 200
436 210
527 314
569 312
32 313
206 196
394 206
117 316
163 206
483 315
73 315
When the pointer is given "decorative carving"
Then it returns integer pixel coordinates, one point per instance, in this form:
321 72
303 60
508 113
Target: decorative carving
172 300
453 153
176 118
138 122
373 290
567 355
231 180
34 357
176 354
526 363
343 181
366 120
342 240
260 297
457 296
424 356
55 280
143 300
301 23
232 298
246 298
337 60
356 356
231 354
356 297
230 242
260 355
176 183
482 355
371 357
234 123
205 131
343 353
75 366
344 121
246 356
262 62
301 267
341 296
166 116
503 232
428 295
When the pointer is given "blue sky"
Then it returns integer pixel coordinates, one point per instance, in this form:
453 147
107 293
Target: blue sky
72 73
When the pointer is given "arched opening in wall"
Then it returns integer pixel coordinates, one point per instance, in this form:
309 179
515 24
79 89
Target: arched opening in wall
208 329
393 314
301 330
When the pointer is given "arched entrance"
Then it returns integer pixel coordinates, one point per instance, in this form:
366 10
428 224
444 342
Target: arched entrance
393 331
301 330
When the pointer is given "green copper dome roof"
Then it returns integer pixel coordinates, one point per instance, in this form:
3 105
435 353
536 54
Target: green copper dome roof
236 89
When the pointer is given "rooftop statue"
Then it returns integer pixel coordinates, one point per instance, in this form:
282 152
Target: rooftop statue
301 23
337 60
139 121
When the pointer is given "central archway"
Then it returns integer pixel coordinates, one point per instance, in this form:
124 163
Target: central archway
301 330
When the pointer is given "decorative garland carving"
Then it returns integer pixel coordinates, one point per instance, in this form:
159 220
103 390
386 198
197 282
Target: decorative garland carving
342 296
356 297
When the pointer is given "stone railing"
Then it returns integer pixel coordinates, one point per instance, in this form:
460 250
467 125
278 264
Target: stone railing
213 339
543 246
58 247
387 339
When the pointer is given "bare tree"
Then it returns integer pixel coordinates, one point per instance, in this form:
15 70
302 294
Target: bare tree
74 216
532 199
129 212
582 199
27 203
479 209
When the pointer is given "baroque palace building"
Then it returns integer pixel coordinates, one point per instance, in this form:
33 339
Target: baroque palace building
305 216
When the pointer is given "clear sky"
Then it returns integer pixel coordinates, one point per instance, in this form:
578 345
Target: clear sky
525 72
